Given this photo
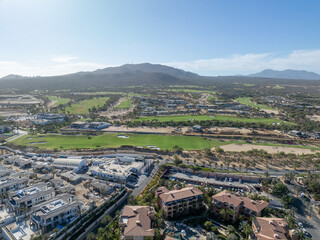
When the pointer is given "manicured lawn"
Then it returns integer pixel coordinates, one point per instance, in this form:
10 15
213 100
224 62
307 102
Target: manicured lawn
212 97
208 117
116 93
59 100
248 85
82 107
191 90
247 101
278 87
164 142
125 104
112 140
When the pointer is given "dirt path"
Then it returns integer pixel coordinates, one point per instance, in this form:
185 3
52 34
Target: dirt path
51 104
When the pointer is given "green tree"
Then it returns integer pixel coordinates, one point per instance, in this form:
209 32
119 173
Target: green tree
91 236
280 189
247 229
208 225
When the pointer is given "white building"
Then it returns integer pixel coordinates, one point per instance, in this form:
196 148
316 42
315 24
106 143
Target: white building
60 210
12 184
22 200
115 170
69 163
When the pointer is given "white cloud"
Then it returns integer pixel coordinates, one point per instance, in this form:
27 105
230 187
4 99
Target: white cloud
236 64
250 63
63 59
61 65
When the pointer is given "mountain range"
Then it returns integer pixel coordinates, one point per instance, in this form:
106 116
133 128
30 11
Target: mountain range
287 74
144 74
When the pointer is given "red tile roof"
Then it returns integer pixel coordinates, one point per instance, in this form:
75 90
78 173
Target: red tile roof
137 220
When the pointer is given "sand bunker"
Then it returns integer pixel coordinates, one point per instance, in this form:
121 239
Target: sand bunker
122 136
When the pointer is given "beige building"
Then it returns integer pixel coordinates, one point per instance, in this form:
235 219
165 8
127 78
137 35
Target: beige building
136 223
238 205
179 202
272 229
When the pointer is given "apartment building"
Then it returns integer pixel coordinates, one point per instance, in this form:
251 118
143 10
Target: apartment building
22 200
238 205
180 201
272 229
136 223
12 184
58 211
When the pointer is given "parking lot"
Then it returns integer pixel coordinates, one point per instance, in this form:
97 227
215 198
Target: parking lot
225 183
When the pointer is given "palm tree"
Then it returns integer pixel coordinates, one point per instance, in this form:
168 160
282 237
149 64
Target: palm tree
224 213
231 229
106 219
91 236
246 229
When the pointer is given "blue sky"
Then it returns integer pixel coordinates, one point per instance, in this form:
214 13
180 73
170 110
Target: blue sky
213 37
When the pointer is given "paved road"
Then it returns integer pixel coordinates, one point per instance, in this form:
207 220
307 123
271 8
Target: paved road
310 222
20 134
306 215
143 181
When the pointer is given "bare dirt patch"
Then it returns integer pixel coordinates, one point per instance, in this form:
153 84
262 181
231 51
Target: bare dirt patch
270 149
270 111
315 118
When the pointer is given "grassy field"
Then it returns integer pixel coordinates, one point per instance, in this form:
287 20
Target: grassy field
189 86
112 140
191 90
125 104
247 101
82 107
208 117
249 85
212 97
278 87
111 93
58 100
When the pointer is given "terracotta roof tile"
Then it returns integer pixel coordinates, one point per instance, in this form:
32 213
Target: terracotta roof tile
138 221
270 228
180 194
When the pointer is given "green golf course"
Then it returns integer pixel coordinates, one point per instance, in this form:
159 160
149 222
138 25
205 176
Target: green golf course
110 140
82 107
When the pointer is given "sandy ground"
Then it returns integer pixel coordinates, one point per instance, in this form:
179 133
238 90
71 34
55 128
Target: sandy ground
315 118
12 112
139 129
4 152
270 111
51 104
168 130
19 100
80 190
270 149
